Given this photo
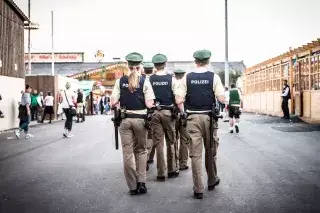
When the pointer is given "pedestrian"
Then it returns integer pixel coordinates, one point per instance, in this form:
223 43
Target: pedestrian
135 95
35 105
68 106
1 114
181 131
148 70
286 96
48 107
101 104
234 108
226 104
80 106
60 112
163 122
25 113
198 91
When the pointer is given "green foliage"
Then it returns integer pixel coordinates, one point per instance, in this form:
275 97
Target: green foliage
233 76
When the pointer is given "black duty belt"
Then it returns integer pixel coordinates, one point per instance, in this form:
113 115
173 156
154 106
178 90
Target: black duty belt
141 116
162 108
199 113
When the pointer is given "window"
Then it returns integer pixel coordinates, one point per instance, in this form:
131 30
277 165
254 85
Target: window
315 72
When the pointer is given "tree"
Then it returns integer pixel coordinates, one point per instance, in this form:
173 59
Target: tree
233 76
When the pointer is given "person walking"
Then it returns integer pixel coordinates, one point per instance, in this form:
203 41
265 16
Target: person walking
234 108
25 113
197 93
163 122
48 107
135 95
68 100
181 131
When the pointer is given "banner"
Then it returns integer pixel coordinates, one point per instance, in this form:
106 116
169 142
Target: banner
58 57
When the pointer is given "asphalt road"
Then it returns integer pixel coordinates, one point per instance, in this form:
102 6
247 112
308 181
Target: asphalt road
262 169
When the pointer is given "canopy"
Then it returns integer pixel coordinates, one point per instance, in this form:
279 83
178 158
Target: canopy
86 86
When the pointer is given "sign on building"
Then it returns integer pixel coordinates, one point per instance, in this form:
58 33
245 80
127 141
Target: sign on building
58 57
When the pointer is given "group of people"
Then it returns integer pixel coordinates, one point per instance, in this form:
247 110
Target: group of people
149 89
72 104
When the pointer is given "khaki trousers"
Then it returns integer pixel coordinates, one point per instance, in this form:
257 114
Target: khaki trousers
149 144
184 142
198 128
134 147
163 126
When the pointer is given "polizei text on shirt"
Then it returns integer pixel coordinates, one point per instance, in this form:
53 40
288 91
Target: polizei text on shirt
161 83
199 81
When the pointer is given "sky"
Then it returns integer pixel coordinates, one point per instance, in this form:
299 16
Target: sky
258 29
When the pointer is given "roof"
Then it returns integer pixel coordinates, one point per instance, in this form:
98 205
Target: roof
313 46
15 7
68 69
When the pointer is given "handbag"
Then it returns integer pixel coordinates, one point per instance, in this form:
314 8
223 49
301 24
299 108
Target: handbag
72 110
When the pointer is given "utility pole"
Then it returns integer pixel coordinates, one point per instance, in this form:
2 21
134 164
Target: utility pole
29 38
226 63
52 54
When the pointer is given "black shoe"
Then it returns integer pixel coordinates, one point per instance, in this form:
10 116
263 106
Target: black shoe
134 192
173 174
231 131
198 195
237 128
161 178
77 122
210 188
150 161
184 167
141 188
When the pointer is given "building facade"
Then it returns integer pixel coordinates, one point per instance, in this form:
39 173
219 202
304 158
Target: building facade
12 22
263 83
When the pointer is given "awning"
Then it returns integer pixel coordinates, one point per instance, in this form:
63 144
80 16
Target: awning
86 86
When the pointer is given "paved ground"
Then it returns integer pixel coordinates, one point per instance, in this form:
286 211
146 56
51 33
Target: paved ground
262 170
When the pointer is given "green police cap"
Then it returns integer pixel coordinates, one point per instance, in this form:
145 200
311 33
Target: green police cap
159 59
178 71
134 59
148 65
202 55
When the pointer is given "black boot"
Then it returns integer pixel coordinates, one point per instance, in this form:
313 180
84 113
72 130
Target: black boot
134 192
198 195
173 174
210 188
161 178
141 188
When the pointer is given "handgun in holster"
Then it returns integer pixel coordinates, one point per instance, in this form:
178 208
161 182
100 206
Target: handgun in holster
174 112
183 118
148 119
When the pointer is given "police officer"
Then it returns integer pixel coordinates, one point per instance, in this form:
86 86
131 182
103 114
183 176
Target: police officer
163 124
148 71
135 94
198 91
181 131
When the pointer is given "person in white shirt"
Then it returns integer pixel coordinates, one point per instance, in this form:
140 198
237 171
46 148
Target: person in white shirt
48 107
68 100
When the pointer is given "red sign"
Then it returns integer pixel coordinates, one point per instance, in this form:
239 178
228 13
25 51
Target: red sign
58 57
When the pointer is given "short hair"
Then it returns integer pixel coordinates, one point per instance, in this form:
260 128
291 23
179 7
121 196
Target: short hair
233 86
28 86
49 93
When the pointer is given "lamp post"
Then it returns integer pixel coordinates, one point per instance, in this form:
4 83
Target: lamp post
226 63
30 26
